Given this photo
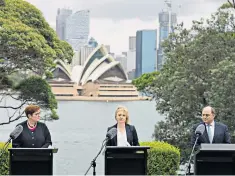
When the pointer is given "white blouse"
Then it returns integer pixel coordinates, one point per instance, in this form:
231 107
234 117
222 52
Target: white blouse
122 139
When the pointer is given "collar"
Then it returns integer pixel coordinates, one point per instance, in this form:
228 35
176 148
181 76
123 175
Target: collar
212 124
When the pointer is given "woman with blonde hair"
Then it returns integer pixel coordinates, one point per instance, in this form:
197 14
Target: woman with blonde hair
126 133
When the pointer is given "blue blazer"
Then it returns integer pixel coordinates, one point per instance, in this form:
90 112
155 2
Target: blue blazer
131 134
221 135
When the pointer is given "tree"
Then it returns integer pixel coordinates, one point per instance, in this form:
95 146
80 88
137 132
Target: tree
27 45
2 2
145 82
232 3
198 72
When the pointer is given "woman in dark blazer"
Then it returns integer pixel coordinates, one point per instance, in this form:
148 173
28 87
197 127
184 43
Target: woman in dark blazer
126 133
35 134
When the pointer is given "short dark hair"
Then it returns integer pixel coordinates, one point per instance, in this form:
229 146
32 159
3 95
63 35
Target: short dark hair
29 110
212 110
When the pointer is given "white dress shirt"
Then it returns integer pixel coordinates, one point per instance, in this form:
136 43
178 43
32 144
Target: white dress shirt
122 139
212 128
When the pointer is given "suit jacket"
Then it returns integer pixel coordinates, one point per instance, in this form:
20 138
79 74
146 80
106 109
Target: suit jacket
131 134
221 135
39 138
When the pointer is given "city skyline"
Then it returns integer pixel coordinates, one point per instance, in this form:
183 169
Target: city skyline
110 27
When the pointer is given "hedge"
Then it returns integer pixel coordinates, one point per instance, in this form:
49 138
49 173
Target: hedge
4 160
163 158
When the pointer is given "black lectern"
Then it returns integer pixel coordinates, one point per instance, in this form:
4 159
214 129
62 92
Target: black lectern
126 160
31 161
215 159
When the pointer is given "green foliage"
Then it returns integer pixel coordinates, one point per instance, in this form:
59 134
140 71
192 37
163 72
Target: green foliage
4 166
222 94
226 6
26 14
54 115
28 45
37 90
163 158
145 81
26 39
5 82
2 2
199 71
229 4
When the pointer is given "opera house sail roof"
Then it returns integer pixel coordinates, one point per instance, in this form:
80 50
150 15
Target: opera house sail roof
98 67
101 77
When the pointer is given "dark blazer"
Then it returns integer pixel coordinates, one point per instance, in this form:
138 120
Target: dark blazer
39 138
221 135
131 134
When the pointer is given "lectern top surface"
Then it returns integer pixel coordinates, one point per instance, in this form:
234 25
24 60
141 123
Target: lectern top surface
128 147
55 150
221 147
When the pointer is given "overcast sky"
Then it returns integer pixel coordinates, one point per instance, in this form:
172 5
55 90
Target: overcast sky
113 21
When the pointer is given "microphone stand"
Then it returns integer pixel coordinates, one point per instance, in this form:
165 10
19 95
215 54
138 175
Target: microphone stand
93 162
189 165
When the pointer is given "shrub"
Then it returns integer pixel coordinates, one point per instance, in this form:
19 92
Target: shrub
163 158
4 160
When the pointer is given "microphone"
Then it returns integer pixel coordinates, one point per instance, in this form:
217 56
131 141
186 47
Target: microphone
13 135
111 133
199 131
17 131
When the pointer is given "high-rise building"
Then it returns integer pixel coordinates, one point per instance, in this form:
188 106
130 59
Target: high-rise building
62 15
145 51
77 29
131 74
76 59
131 56
85 51
124 53
132 43
167 21
131 60
123 60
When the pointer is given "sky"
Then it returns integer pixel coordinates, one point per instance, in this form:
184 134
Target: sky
113 21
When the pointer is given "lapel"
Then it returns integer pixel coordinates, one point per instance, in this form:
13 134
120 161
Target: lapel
115 138
128 134
205 135
215 132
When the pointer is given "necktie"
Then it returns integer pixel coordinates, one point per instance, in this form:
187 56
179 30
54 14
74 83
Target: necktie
209 133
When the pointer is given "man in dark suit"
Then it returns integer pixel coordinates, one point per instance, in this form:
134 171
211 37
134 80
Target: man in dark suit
215 132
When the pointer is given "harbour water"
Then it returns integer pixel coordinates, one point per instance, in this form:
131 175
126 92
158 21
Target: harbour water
82 127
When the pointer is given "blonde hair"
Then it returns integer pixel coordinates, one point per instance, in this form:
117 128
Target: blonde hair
123 108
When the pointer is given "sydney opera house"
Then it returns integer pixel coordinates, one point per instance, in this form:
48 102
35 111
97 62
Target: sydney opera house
99 78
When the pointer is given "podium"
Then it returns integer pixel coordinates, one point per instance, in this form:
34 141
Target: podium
215 159
31 161
126 160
